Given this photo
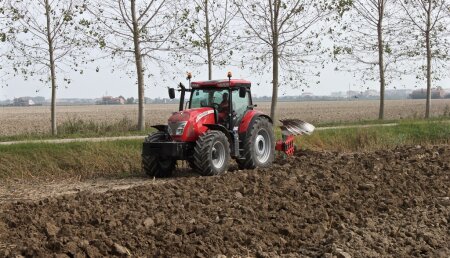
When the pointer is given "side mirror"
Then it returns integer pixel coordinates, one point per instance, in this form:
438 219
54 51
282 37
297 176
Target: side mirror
171 93
242 92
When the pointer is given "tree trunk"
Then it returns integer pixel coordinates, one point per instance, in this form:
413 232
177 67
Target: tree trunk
139 68
427 39
52 68
275 57
275 74
208 41
381 59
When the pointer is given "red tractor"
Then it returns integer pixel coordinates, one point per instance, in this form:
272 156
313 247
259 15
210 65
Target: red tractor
220 123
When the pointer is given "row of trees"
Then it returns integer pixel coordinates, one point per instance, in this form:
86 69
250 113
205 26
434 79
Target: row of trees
377 39
396 38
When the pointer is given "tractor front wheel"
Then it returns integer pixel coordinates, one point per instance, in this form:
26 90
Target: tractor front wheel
155 166
259 145
212 153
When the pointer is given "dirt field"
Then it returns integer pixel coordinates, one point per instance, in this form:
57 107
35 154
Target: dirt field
391 203
20 120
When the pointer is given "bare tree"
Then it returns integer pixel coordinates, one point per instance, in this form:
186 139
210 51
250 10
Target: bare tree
3 20
136 31
286 34
208 33
429 22
370 44
5 36
47 42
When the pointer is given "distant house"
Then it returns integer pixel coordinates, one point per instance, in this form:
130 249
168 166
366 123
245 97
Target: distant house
338 94
23 102
447 93
353 94
109 100
436 93
370 93
398 93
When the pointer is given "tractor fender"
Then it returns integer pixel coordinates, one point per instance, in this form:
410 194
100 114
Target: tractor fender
221 128
161 128
248 120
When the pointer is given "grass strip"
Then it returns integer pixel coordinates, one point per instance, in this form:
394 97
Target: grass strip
121 158
71 160
78 128
378 137
386 121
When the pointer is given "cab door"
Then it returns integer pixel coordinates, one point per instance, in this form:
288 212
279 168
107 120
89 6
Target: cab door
240 106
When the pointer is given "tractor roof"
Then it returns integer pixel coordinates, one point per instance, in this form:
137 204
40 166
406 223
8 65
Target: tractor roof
221 83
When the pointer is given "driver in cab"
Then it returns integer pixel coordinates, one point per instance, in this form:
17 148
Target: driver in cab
224 108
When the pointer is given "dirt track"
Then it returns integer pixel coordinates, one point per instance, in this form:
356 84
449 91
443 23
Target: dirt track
392 203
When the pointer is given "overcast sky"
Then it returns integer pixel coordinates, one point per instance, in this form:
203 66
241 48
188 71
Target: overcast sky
94 84
97 84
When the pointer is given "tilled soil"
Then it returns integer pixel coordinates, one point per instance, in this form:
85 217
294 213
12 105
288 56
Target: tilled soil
392 203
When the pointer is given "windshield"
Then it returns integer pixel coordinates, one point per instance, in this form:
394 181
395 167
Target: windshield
206 97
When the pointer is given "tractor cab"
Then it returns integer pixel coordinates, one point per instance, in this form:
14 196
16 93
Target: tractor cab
229 99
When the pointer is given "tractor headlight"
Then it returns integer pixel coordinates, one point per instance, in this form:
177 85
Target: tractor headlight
177 128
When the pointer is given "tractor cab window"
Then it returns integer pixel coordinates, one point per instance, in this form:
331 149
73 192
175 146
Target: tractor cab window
240 105
208 97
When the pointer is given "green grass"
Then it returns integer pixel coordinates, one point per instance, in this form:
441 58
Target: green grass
377 121
70 160
378 137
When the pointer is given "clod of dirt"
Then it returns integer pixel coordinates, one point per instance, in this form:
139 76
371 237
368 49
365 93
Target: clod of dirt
366 186
51 230
342 254
120 250
238 195
148 222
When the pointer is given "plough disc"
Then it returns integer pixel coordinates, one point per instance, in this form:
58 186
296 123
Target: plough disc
296 127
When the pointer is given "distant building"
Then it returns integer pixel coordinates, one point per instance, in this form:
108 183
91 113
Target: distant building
397 93
109 100
23 102
353 94
370 93
338 94
447 93
436 93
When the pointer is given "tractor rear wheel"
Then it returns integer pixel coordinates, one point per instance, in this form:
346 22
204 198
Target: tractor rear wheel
259 145
155 166
212 153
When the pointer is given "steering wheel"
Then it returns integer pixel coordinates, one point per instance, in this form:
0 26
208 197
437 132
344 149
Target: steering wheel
216 106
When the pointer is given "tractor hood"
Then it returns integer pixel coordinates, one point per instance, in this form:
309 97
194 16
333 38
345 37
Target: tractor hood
187 125
188 114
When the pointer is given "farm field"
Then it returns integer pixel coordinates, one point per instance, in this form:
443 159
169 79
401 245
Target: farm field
339 199
29 120
390 203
